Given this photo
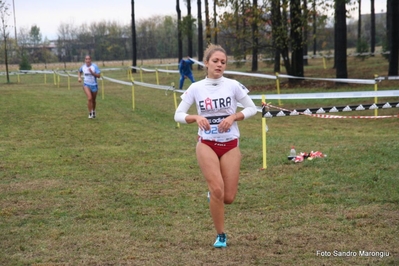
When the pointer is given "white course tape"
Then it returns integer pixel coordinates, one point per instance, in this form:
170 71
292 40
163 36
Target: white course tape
148 85
168 71
356 81
154 70
329 95
117 81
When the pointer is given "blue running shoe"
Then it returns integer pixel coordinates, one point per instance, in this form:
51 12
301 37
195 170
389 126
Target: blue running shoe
221 241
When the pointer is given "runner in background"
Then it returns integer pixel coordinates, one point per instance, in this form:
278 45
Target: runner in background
185 71
91 72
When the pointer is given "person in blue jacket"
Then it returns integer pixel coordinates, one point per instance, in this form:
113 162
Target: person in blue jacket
185 71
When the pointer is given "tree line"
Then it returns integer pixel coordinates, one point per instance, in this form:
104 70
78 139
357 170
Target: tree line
280 30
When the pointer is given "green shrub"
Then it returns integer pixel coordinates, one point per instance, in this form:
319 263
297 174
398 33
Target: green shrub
362 47
25 65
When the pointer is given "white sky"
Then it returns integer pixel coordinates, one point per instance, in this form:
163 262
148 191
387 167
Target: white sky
379 5
49 14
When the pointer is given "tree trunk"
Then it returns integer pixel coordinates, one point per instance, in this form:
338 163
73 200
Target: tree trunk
305 32
244 30
393 14
200 33
190 30
284 35
215 23
296 39
179 32
276 24
239 50
255 38
389 26
6 57
372 30
207 23
340 40
134 40
359 26
314 28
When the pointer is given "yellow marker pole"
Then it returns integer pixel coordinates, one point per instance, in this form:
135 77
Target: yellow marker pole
102 86
45 78
324 62
133 105
157 76
264 136
375 98
278 88
141 74
175 99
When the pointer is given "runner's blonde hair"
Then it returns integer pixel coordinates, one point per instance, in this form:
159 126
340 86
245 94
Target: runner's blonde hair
210 50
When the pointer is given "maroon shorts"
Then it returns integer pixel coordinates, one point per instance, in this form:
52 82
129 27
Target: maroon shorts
220 148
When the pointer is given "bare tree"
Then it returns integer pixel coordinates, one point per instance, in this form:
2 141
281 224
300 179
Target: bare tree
24 37
255 36
305 31
372 28
283 37
215 22
340 39
359 23
393 35
66 38
134 39
3 17
200 33
296 39
276 25
207 22
314 27
189 29
15 21
179 31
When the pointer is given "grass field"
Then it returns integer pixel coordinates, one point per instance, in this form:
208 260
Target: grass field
125 188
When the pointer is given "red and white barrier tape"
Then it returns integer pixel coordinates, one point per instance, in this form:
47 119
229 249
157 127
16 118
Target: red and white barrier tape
353 116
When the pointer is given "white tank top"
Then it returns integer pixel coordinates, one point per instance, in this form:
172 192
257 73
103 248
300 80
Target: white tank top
216 99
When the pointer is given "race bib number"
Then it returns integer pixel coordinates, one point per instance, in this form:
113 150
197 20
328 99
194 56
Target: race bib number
215 130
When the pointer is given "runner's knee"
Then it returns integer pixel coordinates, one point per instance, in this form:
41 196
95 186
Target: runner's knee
228 199
218 193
